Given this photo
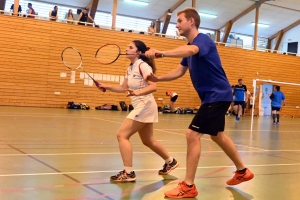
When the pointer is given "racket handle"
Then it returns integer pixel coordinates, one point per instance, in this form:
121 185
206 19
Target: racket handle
98 85
159 55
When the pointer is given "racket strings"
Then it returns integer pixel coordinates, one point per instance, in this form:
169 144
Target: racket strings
71 58
107 54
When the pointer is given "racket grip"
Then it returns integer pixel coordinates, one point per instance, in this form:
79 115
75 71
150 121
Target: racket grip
159 55
98 85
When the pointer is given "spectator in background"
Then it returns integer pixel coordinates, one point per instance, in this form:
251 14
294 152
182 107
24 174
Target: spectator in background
173 97
31 12
53 14
70 17
83 17
151 28
12 9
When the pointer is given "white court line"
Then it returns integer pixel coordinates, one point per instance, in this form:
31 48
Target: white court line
109 153
150 152
143 170
211 140
236 130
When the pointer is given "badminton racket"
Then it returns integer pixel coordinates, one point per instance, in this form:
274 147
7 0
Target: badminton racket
110 53
72 59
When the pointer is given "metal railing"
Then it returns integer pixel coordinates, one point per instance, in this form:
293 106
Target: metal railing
75 22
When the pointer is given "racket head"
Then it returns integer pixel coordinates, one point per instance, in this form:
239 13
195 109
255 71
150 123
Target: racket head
108 54
71 58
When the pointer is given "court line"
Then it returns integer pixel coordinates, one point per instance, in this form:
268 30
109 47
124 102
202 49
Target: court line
58 171
150 152
233 130
210 140
143 170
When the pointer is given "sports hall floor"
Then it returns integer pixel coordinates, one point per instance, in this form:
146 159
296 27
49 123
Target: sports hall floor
62 154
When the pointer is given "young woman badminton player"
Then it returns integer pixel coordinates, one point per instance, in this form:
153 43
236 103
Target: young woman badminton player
144 114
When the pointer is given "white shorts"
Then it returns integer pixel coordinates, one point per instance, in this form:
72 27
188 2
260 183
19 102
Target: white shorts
145 112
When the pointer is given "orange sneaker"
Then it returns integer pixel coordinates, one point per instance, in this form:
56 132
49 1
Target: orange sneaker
239 178
182 191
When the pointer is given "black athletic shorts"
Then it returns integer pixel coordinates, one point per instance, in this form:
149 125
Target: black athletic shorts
242 103
173 99
210 118
275 108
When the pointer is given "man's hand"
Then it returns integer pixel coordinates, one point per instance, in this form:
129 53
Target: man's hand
152 78
153 53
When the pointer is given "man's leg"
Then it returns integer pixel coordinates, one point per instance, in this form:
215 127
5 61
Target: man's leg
186 188
242 174
193 155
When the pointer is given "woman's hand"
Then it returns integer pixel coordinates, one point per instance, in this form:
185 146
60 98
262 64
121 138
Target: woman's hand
131 93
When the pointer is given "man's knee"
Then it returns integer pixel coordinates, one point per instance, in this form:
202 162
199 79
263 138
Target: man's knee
192 135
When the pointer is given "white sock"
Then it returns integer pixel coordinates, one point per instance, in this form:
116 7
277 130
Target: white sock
169 160
128 169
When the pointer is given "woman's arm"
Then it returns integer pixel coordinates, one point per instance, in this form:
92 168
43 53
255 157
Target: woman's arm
116 88
147 90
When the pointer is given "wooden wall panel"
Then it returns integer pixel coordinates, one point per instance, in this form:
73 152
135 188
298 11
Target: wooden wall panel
31 65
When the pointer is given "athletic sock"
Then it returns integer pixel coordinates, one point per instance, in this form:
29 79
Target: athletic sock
241 171
169 160
274 117
277 115
189 185
128 170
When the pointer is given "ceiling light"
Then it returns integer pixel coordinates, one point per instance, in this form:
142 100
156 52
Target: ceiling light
262 25
207 15
137 2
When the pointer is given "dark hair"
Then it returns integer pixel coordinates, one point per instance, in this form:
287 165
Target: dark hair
277 87
30 4
191 13
141 46
70 13
55 7
153 24
240 79
167 93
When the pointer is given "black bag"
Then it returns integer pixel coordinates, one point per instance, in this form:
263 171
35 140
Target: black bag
188 111
72 105
130 107
123 106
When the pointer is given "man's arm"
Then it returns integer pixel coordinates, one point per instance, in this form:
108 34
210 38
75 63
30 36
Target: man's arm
180 52
174 74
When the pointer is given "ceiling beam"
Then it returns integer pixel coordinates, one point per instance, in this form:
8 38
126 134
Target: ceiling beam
227 31
114 14
93 9
218 35
171 9
194 3
255 38
278 40
167 16
269 44
90 5
245 12
2 4
286 29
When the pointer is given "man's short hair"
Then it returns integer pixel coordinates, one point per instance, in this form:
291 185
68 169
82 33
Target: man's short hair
191 13
240 79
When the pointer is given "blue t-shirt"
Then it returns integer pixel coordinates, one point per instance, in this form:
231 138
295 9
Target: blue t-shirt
239 92
207 73
277 98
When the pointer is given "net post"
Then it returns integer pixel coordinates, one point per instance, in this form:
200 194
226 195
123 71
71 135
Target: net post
252 113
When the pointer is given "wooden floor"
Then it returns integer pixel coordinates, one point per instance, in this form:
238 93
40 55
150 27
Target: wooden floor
65 154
